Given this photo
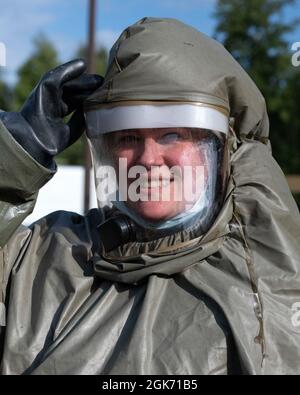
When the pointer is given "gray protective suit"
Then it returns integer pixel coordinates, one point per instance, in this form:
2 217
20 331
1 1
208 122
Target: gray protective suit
223 303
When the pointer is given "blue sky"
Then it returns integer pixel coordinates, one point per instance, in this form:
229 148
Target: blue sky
64 22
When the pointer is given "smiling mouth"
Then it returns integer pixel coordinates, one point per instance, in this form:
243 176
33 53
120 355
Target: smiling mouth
149 184
155 183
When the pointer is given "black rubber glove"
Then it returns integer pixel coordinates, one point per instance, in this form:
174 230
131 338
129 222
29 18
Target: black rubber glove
39 127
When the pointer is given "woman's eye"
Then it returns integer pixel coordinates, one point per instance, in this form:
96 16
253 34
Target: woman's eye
170 138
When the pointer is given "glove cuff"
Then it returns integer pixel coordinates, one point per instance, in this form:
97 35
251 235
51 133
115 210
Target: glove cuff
22 132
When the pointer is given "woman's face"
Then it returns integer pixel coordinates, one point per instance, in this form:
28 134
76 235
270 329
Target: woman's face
174 169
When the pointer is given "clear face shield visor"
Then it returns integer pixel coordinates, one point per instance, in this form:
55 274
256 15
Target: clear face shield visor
162 165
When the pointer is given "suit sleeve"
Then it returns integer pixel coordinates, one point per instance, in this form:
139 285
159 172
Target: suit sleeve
21 177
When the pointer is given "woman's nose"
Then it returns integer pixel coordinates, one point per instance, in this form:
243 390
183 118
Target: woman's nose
150 154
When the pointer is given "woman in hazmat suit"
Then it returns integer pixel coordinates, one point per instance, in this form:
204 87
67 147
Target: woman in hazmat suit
190 264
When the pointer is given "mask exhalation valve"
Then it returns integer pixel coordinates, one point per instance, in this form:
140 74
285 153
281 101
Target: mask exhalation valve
116 231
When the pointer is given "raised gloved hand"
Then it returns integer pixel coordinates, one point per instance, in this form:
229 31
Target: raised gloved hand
39 127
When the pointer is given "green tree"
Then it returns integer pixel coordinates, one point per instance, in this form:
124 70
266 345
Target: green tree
74 155
254 32
5 96
101 58
43 58
290 115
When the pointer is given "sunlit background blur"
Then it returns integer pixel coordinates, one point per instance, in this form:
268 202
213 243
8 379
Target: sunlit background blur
38 35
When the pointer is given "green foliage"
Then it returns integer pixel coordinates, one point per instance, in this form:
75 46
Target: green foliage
290 114
101 58
74 155
5 96
43 59
254 33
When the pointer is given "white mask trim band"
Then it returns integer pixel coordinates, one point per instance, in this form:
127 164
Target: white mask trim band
144 116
